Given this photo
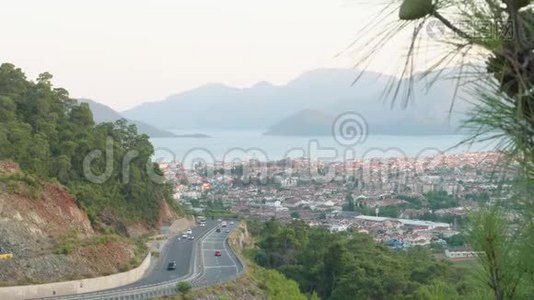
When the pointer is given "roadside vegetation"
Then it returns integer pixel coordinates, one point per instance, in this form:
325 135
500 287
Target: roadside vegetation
256 283
22 184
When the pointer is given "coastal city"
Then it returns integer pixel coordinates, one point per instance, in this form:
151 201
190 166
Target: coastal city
401 202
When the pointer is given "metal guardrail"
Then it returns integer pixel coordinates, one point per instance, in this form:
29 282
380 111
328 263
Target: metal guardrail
161 289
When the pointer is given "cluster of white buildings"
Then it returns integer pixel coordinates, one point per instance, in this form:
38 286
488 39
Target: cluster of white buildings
427 225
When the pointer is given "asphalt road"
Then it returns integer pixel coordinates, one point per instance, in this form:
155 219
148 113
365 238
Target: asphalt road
180 251
217 268
195 262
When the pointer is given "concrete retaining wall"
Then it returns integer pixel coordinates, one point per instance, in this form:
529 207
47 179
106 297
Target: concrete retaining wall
75 286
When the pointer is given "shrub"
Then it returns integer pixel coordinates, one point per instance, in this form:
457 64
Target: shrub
65 248
184 287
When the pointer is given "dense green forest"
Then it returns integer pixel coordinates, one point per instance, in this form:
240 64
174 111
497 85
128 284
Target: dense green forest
51 135
352 266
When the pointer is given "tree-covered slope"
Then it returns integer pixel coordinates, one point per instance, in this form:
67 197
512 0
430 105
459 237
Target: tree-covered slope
351 265
107 167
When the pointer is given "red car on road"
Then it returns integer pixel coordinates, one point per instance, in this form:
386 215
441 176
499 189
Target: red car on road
218 253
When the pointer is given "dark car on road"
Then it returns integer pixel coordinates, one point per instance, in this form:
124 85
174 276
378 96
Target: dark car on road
171 266
218 230
218 253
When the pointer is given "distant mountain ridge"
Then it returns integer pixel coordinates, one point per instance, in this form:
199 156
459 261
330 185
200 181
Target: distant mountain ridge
328 91
304 123
103 113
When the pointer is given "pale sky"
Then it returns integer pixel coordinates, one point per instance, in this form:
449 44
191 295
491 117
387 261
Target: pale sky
125 52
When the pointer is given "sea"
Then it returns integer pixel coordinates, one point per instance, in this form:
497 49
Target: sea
239 145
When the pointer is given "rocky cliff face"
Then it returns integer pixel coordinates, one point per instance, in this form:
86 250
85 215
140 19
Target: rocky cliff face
50 236
54 213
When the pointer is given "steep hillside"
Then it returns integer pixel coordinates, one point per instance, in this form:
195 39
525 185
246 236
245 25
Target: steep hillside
50 236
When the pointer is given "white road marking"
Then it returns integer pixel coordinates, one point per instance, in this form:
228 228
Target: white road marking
231 258
219 266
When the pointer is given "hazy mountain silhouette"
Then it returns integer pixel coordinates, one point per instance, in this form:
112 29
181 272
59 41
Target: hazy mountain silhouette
328 91
103 113
304 123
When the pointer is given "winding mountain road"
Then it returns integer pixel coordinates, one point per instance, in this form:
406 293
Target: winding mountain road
195 262
216 269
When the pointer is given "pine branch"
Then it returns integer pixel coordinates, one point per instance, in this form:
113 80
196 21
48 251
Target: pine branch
451 26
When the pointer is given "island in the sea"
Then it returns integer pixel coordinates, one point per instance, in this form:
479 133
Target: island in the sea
304 123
